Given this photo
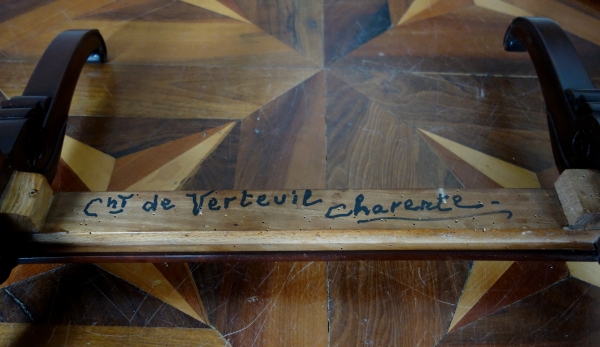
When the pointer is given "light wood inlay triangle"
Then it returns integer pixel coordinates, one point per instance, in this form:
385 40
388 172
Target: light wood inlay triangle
93 167
482 277
133 167
217 7
181 278
502 7
3 96
171 175
234 7
587 272
397 9
423 9
148 278
501 172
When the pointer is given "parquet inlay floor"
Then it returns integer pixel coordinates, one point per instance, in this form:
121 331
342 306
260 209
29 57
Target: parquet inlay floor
291 94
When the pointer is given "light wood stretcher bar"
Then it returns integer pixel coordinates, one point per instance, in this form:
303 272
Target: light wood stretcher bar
480 223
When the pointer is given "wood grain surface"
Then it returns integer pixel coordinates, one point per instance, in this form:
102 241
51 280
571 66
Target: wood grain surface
25 202
16 334
330 95
307 220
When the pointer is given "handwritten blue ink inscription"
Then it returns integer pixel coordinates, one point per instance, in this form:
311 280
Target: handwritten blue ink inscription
360 210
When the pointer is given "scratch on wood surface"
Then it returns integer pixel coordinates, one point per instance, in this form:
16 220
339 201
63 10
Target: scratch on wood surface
52 335
21 305
267 276
67 334
271 302
251 323
414 288
107 298
140 306
162 306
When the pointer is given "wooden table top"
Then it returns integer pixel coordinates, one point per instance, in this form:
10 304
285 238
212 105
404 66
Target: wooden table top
293 94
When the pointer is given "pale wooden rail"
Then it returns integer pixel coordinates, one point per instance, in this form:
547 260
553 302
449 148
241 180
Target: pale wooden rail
303 220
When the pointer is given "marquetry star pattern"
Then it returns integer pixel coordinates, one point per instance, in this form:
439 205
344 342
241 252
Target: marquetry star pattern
231 94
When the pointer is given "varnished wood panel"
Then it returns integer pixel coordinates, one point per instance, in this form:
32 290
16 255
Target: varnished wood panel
23 272
180 277
149 278
504 173
119 137
282 145
15 8
589 7
227 8
151 11
518 282
548 177
73 335
448 43
587 272
468 176
92 166
394 70
389 303
298 23
218 170
246 45
66 180
503 117
481 278
131 168
420 10
360 155
86 295
348 25
565 314
19 307
22 24
178 167
259 301
169 92
570 19
398 9
232 5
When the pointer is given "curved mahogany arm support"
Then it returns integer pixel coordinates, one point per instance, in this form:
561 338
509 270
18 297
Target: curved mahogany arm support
562 78
33 125
56 76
